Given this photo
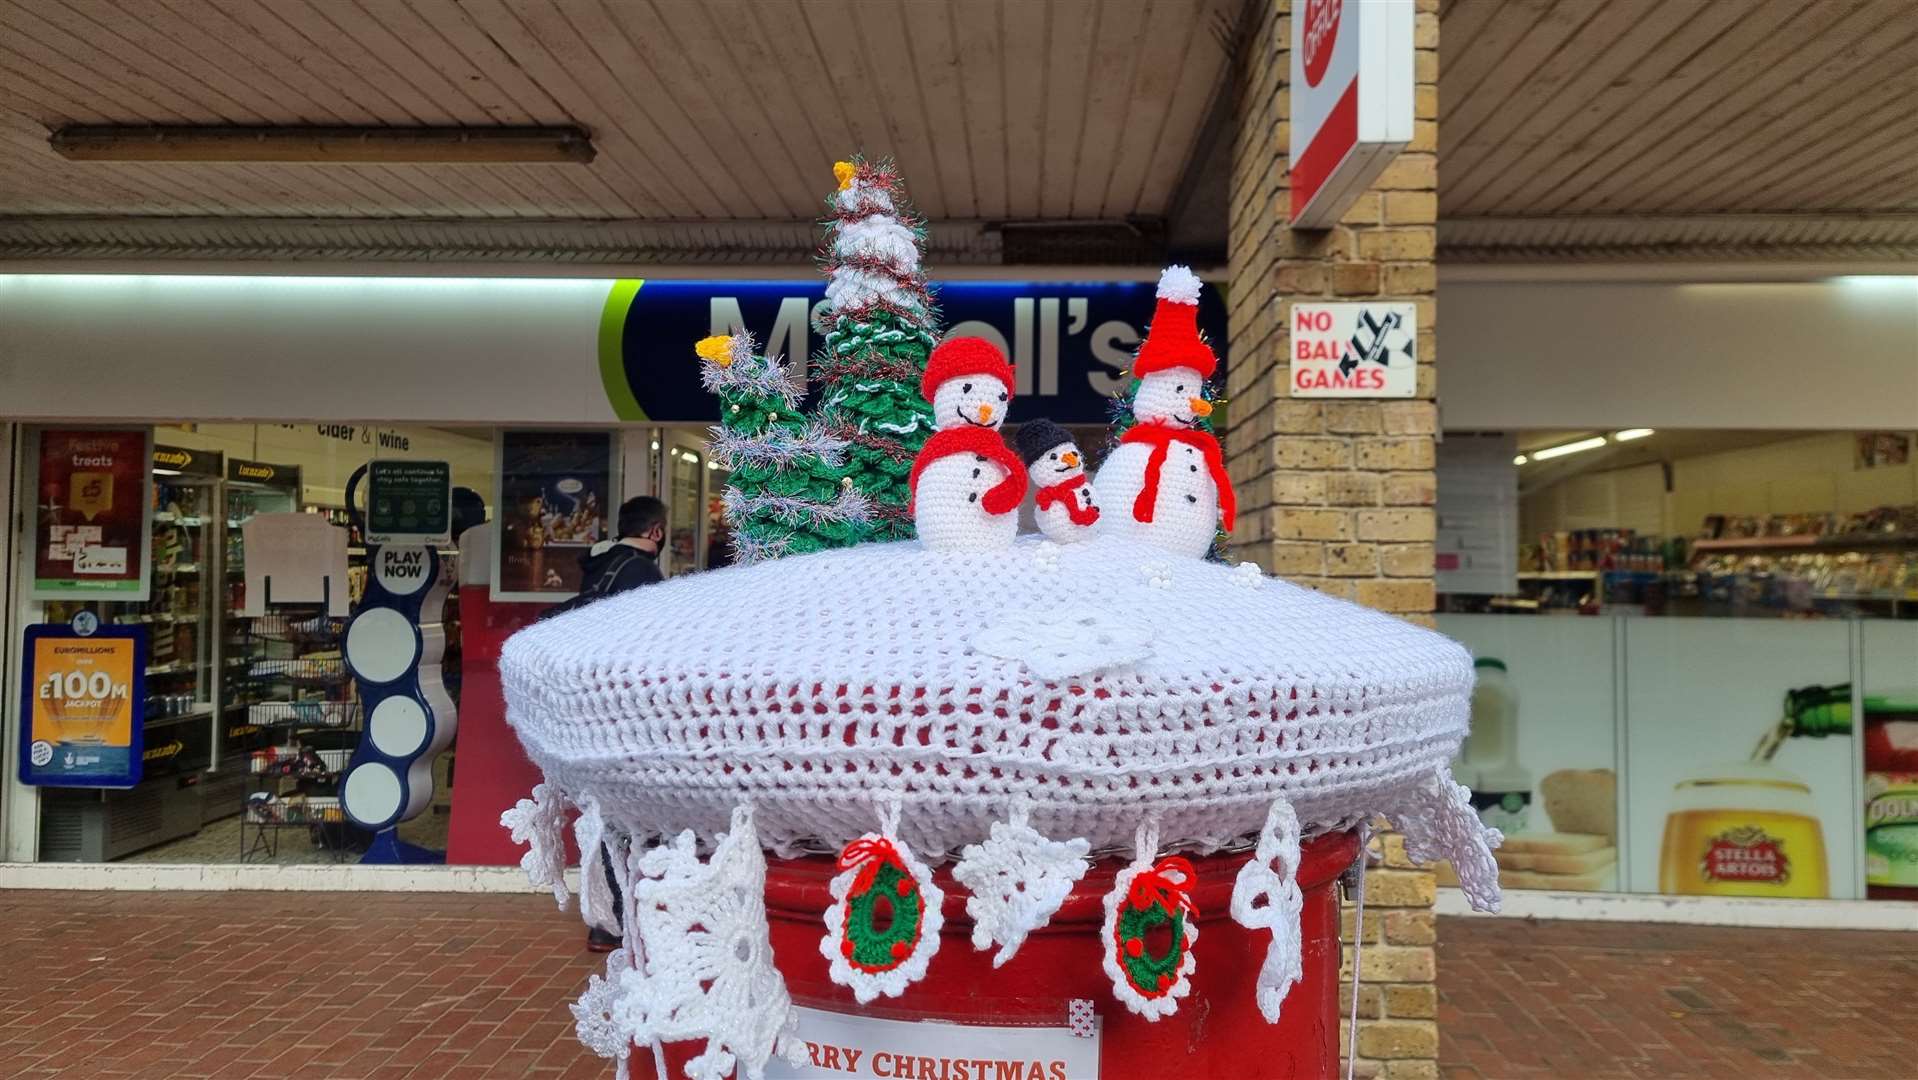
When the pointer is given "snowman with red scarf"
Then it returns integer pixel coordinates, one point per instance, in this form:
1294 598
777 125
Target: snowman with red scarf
1165 483
966 482
1063 505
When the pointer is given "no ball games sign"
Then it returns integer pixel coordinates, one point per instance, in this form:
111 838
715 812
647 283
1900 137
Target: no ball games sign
1354 350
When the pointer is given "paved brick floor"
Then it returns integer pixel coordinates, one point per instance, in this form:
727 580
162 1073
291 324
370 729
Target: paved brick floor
437 986
1601 1001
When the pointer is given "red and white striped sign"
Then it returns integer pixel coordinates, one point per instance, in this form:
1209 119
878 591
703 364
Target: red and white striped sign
1351 95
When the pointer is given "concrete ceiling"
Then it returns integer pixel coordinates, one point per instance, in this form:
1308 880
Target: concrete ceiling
1070 131
1654 128
719 111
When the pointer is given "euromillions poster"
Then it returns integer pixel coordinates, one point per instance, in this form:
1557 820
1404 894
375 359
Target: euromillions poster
92 509
556 492
82 704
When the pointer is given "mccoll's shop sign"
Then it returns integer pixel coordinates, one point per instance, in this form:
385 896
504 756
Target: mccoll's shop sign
1071 344
497 350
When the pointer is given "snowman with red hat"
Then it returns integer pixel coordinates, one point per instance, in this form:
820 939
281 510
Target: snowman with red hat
966 482
1165 483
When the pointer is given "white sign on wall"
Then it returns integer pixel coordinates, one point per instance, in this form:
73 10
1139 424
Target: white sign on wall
1351 101
1476 548
844 1045
1367 350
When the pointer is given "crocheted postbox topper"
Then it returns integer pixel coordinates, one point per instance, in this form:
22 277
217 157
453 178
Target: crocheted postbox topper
1017 706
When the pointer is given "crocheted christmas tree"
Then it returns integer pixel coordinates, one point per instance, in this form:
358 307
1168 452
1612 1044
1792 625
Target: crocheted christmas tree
879 325
839 474
787 492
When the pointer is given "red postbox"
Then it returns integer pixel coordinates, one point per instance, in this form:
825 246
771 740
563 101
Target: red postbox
1217 1032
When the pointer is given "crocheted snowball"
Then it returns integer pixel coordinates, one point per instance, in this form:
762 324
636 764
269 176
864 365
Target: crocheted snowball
812 685
1076 640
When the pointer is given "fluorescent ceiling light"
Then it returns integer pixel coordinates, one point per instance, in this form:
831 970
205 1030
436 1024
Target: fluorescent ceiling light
1568 448
1520 460
325 145
1631 433
166 472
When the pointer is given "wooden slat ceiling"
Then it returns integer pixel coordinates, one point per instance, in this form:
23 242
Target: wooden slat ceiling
714 110
1737 123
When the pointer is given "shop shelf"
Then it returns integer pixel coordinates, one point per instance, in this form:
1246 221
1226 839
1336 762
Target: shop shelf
1842 542
178 718
1558 575
309 714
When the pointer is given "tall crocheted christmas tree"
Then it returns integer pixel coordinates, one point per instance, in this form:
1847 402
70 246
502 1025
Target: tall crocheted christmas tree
879 325
839 475
787 494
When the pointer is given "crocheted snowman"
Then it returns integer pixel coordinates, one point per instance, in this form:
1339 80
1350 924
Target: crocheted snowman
1166 483
1062 499
966 482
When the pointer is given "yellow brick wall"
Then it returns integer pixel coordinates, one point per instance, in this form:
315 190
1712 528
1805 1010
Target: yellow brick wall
1338 495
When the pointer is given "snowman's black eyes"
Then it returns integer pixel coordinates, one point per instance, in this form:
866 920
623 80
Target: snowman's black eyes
966 389
1179 389
1002 397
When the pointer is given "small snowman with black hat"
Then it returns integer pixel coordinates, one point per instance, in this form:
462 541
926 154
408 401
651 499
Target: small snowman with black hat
1062 499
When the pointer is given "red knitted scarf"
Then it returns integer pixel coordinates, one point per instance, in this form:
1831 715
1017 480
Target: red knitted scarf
1161 437
1061 492
1004 496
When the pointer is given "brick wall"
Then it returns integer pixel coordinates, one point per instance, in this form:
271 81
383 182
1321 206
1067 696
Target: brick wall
1339 495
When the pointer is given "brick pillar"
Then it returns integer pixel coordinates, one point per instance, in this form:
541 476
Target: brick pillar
1339 495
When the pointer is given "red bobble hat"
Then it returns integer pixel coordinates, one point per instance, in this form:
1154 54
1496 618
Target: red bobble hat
1174 341
957 357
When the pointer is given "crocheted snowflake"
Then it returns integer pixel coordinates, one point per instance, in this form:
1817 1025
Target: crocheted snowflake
1266 896
1059 644
595 892
1439 823
596 1014
1018 879
707 959
537 822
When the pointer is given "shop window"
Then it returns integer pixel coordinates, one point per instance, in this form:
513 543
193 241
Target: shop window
1698 656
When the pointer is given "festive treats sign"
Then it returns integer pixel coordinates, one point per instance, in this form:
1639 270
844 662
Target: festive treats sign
91 535
1013 706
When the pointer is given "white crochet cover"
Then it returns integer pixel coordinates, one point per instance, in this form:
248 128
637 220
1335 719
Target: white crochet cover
811 687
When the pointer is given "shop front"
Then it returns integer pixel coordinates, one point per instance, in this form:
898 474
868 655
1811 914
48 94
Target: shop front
160 429
1678 528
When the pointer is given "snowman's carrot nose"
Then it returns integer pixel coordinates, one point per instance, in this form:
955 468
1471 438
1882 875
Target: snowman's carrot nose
1071 459
985 414
1201 407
